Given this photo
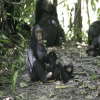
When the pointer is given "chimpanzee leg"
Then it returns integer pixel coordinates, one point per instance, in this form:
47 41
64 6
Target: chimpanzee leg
39 72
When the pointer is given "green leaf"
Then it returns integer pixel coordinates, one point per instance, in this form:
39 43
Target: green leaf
21 36
93 77
61 87
15 18
90 97
8 13
94 7
97 0
13 66
92 2
5 41
14 82
4 37
98 10
1 44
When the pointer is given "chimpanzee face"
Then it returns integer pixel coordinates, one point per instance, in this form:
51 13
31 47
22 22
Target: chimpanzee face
38 34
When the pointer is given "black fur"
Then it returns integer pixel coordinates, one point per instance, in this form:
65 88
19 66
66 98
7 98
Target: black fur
94 39
51 30
40 11
94 31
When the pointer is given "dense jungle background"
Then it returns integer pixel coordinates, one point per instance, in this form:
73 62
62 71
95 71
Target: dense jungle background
75 17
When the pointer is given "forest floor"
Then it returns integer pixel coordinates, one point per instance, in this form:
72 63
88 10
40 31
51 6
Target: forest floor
84 85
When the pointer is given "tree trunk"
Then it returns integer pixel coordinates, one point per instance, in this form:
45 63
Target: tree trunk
78 21
88 12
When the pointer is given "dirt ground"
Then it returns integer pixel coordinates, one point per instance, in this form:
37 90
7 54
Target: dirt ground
84 84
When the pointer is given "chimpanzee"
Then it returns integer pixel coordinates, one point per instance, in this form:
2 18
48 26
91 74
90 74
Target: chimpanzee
51 30
37 56
93 39
94 31
45 8
65 71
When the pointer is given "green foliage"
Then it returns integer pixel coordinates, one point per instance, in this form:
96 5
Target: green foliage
14 82
1 95
93 5
90 97
93 77
98 13
97 0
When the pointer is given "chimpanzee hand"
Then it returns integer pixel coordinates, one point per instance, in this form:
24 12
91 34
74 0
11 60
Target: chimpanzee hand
57 61
49 51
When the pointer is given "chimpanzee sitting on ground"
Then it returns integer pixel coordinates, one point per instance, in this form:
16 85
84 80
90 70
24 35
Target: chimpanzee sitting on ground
93 39
37 56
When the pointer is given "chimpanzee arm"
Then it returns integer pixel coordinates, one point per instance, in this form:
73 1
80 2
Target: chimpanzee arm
93 46
52 57
29 61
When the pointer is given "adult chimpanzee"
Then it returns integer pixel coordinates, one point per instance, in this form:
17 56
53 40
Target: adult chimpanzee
37 56
45 8
51 30
94 31
93 39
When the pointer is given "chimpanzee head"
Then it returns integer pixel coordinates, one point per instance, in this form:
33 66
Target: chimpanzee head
47 5
36 34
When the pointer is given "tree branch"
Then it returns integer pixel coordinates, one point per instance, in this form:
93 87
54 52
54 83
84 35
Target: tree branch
14 3
61 2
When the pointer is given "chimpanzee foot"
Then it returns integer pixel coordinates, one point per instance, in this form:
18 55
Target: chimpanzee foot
69 69
48 75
